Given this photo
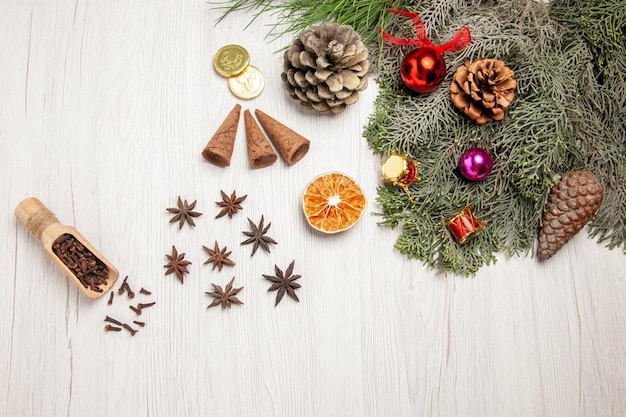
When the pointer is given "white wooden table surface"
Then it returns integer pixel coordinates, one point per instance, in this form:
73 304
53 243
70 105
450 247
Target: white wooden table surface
104 110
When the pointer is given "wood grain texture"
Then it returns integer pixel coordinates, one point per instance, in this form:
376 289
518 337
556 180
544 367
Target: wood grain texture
105 109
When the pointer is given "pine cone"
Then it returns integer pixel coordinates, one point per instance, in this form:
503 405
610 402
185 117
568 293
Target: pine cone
483 89
572 202
326 67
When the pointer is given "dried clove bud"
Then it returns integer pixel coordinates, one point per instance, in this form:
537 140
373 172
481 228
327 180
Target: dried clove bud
122 287
129 291
130 329
112 320
110 328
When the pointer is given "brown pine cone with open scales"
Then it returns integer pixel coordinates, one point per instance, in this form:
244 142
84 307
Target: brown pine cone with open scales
483 89
572 202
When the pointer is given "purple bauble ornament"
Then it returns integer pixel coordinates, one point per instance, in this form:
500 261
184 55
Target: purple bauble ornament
475 164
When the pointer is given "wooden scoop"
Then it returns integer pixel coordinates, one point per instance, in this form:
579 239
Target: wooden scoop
68 249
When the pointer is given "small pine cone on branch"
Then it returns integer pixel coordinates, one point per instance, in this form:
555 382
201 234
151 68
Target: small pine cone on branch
572 202
326 67
483 89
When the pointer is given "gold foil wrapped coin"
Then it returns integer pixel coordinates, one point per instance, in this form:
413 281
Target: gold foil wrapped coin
248 84
401 171
231 60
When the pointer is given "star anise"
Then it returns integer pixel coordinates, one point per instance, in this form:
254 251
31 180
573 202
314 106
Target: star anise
258 237
184 212
284 283
218 256
225 297
230 205
177 264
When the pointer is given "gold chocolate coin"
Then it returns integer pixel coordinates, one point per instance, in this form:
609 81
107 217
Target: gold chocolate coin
248 84
231 60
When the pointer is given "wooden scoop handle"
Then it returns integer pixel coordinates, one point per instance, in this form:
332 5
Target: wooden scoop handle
35 216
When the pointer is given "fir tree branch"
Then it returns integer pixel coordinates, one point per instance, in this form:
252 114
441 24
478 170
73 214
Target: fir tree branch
570 113
537 142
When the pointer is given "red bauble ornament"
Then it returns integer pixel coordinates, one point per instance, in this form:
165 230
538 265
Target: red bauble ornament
423 69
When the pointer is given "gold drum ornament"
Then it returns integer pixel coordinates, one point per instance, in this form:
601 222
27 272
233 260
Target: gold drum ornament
401 171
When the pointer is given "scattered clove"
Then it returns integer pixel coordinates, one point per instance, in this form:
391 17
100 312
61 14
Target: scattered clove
122 287
116 325
112 320
130 329
110 328
129 291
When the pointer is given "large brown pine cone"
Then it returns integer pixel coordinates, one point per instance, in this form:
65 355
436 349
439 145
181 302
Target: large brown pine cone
483 89
572 202
326 67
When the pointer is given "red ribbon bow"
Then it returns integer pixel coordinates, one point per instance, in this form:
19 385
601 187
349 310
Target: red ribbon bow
461 39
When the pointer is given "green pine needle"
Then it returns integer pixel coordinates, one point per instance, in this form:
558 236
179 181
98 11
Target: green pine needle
294 16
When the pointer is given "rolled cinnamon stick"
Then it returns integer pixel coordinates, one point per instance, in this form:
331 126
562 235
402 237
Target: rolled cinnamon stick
291 145
260 152
220 148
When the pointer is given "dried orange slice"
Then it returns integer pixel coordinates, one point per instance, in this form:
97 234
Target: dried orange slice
333 202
